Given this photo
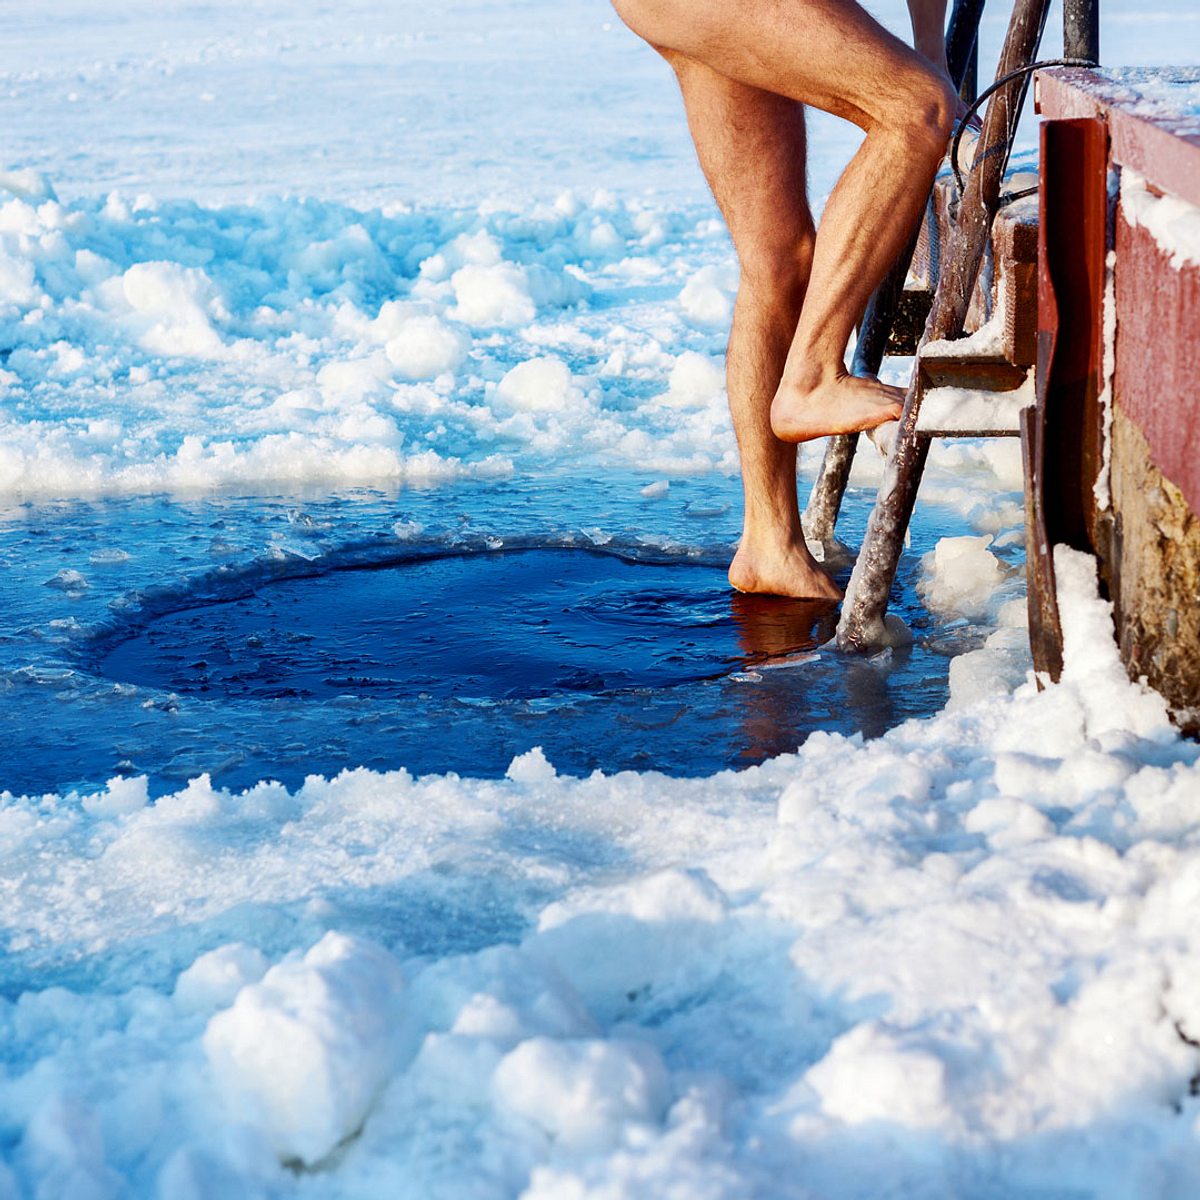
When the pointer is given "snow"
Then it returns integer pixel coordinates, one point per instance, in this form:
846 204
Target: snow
1102 488
1172 96
282 252
302 1054
1173 223
959 953
951 409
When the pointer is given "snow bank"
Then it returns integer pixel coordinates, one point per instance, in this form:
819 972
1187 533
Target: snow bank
962 954
309 342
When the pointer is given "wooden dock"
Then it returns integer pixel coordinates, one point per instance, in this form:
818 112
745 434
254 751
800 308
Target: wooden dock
1119 396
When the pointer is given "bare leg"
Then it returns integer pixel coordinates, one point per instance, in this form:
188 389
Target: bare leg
831 54
751 147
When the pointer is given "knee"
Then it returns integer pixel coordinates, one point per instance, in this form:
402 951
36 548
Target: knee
924 113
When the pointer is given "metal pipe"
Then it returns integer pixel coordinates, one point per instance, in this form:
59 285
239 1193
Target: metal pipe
962 40
1081 29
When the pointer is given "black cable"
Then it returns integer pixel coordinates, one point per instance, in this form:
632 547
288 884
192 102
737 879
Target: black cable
995 87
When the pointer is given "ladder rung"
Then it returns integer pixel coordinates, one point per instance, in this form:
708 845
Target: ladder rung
988 371
950 411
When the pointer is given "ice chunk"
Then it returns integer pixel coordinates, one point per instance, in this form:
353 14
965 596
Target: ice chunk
492 296
704 301
696 382
960 576
405 531
583 1092
171 307
215 978
531 767
303 1054
67 580
426 347
120 796
539 385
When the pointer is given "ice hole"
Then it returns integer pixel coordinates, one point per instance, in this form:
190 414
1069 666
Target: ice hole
461 662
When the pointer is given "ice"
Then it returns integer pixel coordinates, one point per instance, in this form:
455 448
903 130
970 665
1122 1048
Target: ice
67 580
303 1054
696 382
539 385
379 257
120 797
426 347
961 576
531 767
705 298
496 295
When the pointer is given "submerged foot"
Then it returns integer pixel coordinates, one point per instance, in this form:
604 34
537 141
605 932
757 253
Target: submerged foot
781 571
845 404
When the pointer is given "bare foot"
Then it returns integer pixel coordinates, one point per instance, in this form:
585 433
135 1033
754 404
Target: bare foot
845 404
787 570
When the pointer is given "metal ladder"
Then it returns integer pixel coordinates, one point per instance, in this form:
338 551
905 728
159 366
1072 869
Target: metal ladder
862 621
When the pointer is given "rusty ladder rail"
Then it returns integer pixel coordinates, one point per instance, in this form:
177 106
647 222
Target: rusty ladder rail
862 621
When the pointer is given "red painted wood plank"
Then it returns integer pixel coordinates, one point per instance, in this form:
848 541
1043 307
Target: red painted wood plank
1164 149
1157 382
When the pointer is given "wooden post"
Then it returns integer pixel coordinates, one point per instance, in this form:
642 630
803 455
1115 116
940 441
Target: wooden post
861 625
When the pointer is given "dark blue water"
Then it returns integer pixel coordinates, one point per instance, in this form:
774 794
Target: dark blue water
473 628
457 663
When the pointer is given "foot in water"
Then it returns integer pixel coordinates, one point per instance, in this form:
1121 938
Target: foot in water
788 570
845 404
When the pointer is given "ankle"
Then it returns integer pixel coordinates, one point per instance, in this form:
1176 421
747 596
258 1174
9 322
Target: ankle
811 375
770 539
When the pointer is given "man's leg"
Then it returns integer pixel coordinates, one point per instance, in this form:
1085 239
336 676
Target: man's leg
751 147
833 55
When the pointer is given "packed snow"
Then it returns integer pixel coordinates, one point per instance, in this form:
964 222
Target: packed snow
286 287
1174 224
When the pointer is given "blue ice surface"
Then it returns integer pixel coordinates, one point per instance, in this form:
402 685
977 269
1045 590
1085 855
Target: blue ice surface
283 636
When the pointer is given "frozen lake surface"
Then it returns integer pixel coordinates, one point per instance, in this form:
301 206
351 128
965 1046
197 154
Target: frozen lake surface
340 343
